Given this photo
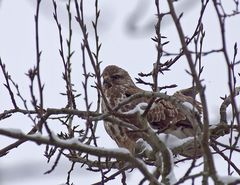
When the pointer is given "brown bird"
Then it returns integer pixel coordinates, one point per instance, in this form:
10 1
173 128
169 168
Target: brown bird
164 116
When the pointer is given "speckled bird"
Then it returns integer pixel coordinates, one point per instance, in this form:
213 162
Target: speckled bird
164 116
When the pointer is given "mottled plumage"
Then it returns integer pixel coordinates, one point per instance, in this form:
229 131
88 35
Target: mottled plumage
164 116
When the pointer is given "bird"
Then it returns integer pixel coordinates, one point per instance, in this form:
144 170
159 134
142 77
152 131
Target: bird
163 116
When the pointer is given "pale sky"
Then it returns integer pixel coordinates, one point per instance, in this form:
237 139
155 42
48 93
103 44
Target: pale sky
134 52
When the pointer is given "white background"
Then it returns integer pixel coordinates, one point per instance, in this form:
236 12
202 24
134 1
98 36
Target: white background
134 51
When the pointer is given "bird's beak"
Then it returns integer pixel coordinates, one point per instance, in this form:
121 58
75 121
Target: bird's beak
106 83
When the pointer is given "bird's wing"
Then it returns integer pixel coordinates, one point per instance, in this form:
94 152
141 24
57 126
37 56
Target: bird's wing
167 118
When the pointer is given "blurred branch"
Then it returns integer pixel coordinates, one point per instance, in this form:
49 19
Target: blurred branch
226 102
80 20
36 70
66 62
7 85
222 15
208 159
225 158
74 144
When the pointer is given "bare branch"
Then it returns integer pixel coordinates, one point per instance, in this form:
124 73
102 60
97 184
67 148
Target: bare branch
74 144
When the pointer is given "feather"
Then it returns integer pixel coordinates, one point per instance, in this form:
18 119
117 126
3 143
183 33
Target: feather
163 116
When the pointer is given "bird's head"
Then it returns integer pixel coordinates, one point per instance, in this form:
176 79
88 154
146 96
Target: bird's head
115 76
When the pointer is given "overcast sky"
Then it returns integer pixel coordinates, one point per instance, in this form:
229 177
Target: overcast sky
121 45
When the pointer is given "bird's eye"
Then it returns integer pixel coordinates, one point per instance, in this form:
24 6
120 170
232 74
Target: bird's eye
115 77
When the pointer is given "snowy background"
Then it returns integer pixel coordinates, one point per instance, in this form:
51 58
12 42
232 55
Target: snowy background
128 47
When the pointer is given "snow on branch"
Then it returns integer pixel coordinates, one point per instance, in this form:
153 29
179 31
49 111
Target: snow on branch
74 144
